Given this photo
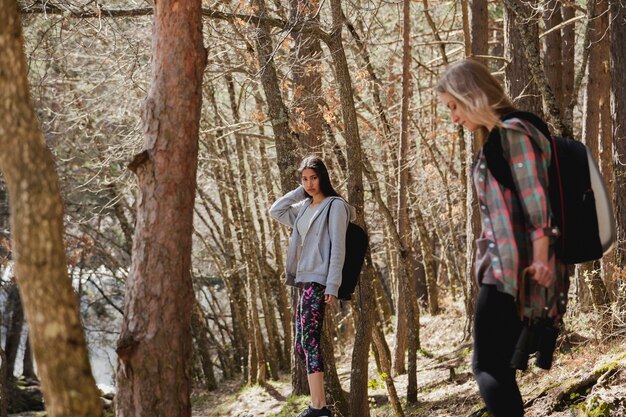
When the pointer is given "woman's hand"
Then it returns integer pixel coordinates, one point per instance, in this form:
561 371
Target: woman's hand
329 299
540 268
542 273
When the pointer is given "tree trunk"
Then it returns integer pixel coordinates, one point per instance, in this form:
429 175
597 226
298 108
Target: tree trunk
618 113
198 327
568 50
155 345
49 301
251 256
4 384
605 140
278 287
285 138
479 29
552 50
469 146
307 78
334 393
519 83
428 261
358 374
229 202
381 349
28 368
15 315
404 231
596 124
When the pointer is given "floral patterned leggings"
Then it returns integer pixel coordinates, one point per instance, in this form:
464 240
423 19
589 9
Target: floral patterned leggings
309 321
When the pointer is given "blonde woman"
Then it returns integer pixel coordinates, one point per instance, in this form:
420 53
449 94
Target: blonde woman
510 175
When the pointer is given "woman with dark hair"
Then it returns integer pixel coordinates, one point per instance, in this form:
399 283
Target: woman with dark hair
319 218
511 179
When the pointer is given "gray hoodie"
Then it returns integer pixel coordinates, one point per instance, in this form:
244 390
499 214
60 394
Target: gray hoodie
316 260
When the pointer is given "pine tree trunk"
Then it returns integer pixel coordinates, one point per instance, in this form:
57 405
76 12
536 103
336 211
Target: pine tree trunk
618 113
605 143
155 345
519 83
307 77
552 49
596 121
285 138
50 304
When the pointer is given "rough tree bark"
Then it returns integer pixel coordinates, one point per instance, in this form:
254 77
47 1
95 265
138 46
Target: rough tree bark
50 303
307 77
618 113
518 80
404 230
154 347
596 123
358 374
552 49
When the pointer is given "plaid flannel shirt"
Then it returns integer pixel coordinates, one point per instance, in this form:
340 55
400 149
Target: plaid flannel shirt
512 221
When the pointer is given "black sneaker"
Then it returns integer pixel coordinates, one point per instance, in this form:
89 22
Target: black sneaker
314 412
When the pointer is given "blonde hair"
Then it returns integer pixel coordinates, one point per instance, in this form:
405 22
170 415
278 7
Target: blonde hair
479 93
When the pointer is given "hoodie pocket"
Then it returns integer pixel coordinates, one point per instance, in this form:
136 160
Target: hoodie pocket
311 260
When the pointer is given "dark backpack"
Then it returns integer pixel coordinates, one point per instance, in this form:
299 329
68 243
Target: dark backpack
356 247
579 202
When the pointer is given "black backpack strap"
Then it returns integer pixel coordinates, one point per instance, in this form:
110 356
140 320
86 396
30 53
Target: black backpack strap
494 154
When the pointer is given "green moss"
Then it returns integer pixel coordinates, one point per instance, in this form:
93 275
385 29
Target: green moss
595 407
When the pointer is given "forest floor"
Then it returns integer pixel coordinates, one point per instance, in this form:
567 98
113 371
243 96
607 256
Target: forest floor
588 378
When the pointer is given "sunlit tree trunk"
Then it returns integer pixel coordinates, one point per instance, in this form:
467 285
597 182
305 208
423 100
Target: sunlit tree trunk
154 347
307 78
358 374
50 303
404 231
597 123
618 113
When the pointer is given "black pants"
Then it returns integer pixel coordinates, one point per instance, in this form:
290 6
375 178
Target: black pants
496 330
